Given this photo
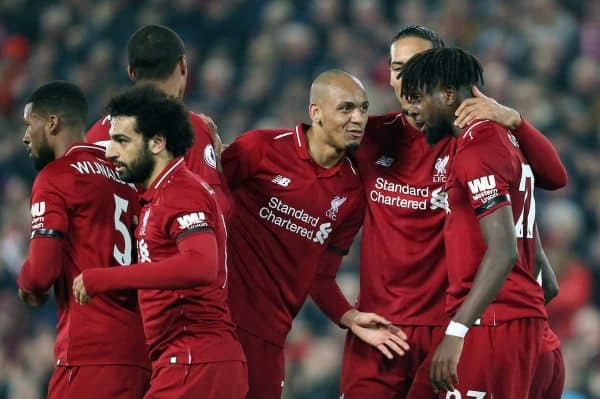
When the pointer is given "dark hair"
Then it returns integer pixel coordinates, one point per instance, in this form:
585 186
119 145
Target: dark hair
422 32
153 52
155 114
63 99
447 67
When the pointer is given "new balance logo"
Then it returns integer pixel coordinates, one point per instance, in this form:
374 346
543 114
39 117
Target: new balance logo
482 184
385 161
282 181
192 220
323 233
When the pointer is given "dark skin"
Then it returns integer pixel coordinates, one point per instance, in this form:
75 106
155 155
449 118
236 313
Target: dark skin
549 281
437 110
498 232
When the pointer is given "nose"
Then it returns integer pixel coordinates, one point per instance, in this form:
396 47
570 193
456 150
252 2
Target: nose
26 138
358 116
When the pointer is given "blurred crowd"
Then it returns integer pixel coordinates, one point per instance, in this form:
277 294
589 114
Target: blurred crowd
252 62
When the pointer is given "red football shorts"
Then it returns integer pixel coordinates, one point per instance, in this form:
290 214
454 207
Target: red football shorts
367 373
219 380
498 361
266 366
549 377
98 382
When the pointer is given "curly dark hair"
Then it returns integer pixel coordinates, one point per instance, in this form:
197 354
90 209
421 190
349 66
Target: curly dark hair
447 67
156 114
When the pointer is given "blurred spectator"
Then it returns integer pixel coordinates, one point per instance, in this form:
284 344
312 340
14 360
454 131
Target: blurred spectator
251 63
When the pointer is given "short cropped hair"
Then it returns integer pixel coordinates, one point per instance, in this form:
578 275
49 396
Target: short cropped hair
156 114
153 51
442 67
61 98
421 32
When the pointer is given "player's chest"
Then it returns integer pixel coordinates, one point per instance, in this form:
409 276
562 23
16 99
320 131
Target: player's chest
153 241
300 194
408 179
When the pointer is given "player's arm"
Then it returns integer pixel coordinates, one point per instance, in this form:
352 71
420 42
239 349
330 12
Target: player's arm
42 267
196 263
549 171
49 222
498 232
542 265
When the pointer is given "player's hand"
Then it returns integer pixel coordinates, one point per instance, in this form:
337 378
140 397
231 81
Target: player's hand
484 107
33 299
378 332
79 292
443 373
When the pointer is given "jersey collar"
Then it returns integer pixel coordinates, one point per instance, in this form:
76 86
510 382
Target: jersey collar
163 179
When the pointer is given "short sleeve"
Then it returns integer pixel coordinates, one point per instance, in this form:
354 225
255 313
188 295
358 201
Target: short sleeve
192 212
49 209
483 167
240 159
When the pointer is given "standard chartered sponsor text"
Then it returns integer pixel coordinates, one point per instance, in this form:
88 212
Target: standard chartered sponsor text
383 187
276 210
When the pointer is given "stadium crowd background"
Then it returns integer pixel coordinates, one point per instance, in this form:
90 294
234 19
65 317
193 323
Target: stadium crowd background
251 65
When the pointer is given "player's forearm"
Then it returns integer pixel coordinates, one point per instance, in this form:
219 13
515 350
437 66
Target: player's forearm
490 277
549 171
196 264
43 265
329 298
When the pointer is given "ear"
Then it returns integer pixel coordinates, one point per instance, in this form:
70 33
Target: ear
450 95
157 143
183 66
130 73
315 114
52 125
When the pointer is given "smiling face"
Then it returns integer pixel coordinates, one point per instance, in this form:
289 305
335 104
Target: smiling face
129 151
400 52
342 113
35 138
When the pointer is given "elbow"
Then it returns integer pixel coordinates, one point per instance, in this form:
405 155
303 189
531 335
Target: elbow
509 257
34 284
556 181
551 292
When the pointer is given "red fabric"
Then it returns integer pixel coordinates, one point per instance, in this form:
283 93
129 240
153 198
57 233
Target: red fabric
487 167
550 340
99 382
192 325
195 264
80 195
221 380
366 373
264 382
402 267
575 292
199 157
325 291
549 377
43 265
550 173
288 212
488 360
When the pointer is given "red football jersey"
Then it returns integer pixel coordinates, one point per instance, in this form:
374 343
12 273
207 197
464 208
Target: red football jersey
490 171
190 325
402 267
81 196
288 211
200 157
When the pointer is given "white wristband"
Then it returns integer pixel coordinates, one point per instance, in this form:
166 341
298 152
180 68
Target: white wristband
457 329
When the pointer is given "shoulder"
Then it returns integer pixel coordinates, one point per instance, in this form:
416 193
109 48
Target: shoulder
481 132
187 188
393 120
98 133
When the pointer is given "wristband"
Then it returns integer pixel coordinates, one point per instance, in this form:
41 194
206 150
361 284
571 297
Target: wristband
457 329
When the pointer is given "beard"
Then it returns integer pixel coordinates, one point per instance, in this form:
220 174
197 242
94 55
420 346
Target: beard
140 169
350 148
434 133
44 157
